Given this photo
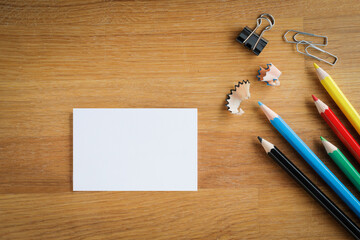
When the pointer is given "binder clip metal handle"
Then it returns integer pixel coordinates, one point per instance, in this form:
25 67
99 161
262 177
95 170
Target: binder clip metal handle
251 40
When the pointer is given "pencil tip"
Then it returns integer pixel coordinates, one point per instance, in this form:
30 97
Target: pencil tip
260 103
316 66
329 147
260 139
315 98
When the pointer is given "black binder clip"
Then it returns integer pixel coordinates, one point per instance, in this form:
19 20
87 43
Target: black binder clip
251 40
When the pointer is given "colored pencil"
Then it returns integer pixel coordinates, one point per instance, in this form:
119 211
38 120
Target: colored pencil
312 159
343 163
339 98
338 128
310 187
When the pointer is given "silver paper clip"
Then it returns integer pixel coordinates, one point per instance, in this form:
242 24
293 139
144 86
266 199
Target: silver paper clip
311 45
307 34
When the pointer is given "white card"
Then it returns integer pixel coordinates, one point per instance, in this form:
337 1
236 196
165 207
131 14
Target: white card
135 149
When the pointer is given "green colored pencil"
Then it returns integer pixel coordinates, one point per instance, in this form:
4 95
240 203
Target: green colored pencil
338 157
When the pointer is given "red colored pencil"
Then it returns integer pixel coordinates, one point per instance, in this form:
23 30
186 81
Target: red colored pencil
338 128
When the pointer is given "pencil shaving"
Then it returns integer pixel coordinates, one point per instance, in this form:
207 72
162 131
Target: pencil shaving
240 93
270 75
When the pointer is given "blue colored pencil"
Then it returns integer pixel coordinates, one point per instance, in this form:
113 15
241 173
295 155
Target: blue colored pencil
312 159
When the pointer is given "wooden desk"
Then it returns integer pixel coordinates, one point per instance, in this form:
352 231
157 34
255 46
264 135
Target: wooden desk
56 56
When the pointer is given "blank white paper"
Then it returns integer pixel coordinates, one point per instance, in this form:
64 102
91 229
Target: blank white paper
135 149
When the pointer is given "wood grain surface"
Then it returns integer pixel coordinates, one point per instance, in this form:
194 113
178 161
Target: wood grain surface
60 55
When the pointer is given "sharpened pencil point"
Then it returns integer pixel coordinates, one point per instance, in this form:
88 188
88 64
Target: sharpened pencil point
315 98
260 139
329 147
260 103
316 66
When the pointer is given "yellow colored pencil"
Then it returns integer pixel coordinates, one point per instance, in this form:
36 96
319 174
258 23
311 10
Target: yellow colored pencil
339 98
